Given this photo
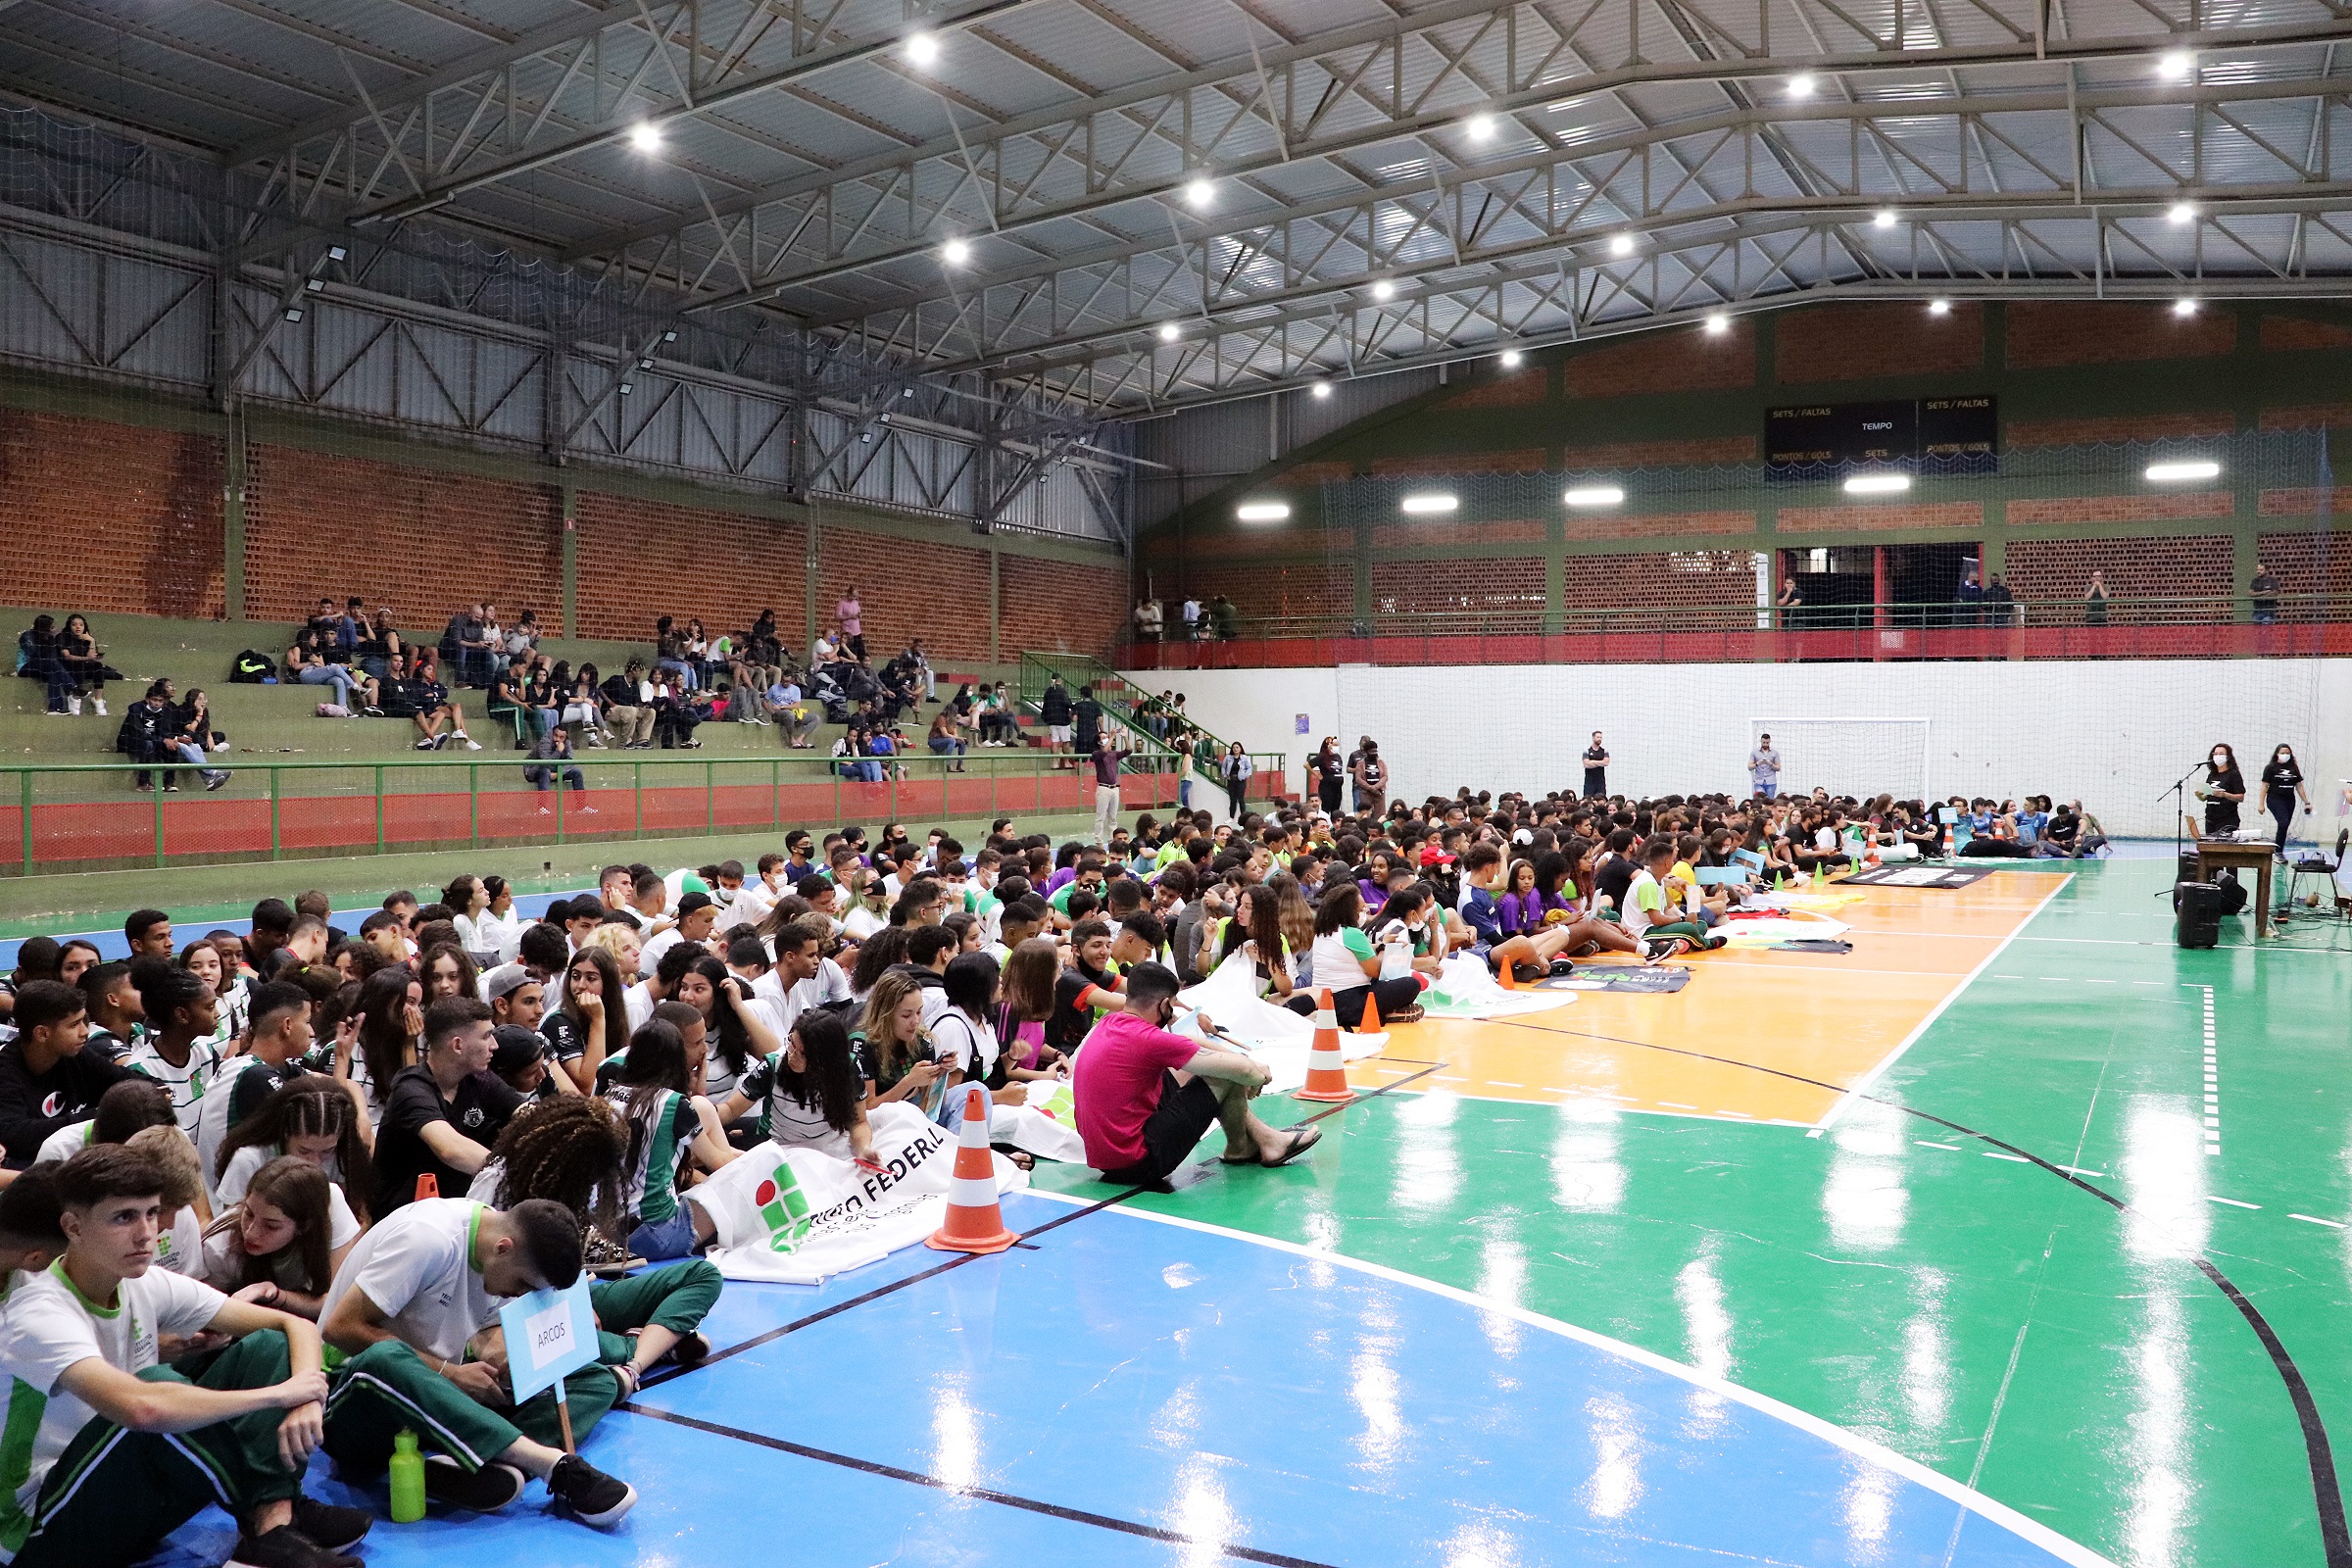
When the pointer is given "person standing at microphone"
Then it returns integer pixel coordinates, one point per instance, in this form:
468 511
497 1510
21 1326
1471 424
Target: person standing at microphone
2224 789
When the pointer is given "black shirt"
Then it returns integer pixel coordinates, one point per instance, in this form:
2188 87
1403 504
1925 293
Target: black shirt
1088 714
1071 1023
1615 876
478 1109
32 1106
2281 777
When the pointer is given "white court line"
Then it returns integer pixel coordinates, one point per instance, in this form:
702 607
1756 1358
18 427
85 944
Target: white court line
1911 1470
2234 1202
1676 1105
1994 1154
2331 1224
1924 1144
1857 1090
2080 1170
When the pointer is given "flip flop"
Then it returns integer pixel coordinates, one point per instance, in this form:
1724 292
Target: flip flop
1303 1138
1246 1159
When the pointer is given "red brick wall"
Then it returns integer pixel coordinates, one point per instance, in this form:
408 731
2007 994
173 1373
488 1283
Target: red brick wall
1444 535
2044 333
1682 359
1058 605
1851 342
1472 590
2305 503
421 542
2307 563
1530 385
1866 519
2289 333
2060 569
108 519
936 592
1666 581
1520 460
1662 454
1308 588
1658 525
2127 427
2309 416
639 559
2123 509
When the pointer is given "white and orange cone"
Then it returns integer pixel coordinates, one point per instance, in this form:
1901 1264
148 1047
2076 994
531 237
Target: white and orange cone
976 1222
1326 1068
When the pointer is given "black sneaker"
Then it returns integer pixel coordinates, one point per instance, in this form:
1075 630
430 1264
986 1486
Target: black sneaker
485 1490
594 1497
691 1350
334 1528
1561 969
1527 974
285 1548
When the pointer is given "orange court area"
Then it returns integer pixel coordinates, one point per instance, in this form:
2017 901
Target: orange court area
1836 1019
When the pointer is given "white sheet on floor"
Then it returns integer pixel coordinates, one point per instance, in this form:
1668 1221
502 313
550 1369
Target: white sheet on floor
1274 1035
1467 989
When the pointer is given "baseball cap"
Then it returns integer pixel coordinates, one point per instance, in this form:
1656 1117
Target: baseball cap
516 1047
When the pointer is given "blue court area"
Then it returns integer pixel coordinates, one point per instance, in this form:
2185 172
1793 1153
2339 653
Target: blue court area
1130 1390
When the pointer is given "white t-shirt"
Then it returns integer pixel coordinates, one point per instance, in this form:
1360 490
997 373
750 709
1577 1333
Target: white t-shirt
860 922
639 1003
50 1329
182 1248
785 1003
224 1264
66 1142
187 1084
961 1041
648 957
417 1268
1644 904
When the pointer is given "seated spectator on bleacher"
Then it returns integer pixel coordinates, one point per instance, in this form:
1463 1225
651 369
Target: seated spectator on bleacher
433 709
553 767
308 664
630 706
80 655
350 629
670 652
191 736
379 645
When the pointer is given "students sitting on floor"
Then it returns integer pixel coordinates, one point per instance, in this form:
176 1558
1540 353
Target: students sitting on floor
119 1451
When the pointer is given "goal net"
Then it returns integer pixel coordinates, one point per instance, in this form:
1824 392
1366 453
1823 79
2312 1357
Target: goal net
1857 757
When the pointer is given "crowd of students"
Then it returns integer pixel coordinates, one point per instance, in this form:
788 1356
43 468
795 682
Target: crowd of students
313 1160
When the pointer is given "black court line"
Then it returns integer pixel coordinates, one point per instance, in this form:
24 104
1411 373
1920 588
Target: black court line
672 1373
2335 1537
1007 1500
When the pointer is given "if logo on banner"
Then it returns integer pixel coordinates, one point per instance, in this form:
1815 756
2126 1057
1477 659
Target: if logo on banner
783 1209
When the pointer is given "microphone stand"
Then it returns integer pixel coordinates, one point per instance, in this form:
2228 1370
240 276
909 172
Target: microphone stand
2179 792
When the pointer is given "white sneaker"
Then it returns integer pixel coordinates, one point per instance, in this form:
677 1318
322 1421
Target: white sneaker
74 706
98 703
471 743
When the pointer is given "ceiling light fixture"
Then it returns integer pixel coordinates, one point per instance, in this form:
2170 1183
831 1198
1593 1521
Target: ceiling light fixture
956 252
2186 469
1621 245
1878 484
2177 66
1422 506
646 136
1511 359
1200 191
2182 211
1322 389
1800 86
1719 323
1482 128
1940 307
922 48
1594 495
2184 307
1884 218
1169 331
1384 290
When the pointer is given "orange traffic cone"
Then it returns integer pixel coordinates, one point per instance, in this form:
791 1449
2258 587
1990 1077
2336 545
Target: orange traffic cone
1326 1068
1369 1023
1504 977
975 1224
427 1186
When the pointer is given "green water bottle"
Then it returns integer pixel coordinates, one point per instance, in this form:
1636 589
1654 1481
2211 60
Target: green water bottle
408 1480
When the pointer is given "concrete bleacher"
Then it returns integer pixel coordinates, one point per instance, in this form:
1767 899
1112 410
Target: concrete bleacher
280 721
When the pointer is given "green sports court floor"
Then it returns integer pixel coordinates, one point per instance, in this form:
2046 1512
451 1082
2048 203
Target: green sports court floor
1946 1270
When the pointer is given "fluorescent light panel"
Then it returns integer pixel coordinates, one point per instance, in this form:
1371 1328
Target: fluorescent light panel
2183 469
1433 502
1595 495
1263 510
1878 484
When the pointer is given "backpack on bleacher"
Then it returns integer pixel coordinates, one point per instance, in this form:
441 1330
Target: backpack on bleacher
251 668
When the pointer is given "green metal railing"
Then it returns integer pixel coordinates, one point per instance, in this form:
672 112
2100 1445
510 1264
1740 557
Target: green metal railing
1122 705
81 815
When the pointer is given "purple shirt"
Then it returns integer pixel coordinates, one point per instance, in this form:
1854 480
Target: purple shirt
1106 766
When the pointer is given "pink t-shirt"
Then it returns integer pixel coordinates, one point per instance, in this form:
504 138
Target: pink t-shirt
1116 1086
849 611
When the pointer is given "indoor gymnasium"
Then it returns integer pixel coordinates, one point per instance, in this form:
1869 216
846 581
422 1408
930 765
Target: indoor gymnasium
1481 783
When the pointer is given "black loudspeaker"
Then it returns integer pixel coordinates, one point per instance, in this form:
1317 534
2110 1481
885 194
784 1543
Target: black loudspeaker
2199 922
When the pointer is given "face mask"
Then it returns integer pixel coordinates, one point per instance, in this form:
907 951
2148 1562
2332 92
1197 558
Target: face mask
2220 760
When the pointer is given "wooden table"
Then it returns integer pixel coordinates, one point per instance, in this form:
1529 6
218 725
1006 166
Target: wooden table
2214 853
